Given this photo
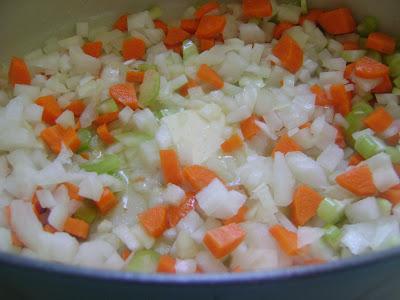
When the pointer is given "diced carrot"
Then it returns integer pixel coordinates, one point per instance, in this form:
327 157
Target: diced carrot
223 240
135 76
249 127
176 36
106 118
93 48
170 166
397 169
337 21
125 253
50 229
206 44
107 201
210 27
133 48
70 139
166 264
18 73
313 261
198 176
379 120
125 94
105 134
385 86
76 107
393 195
289 53
321 99
340 99
85 155
238 218
287 240
369 68
176 48
161 25
208 75
178 212
256 8
206 8
73 191
305 125
121 23
184 90
358 180
7 214
381 42
340 137
232 144
52 137
350 45
286 144
281 28
350 68
155 220
393 140
37 208
77 228
51 109
312 16
189 25
305 204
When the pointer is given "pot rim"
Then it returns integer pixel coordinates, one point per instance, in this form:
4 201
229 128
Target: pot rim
341 265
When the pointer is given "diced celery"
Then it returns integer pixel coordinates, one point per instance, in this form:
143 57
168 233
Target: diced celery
355 119
87 212
146 67
385 207
331 211
107 106
396 91
85 136
144 261
255 21
155 12
304 6
394 153
108 164
189 50
368 146
394 64
374 55
131 139
368 25
150 88
397 82
352 55
332 236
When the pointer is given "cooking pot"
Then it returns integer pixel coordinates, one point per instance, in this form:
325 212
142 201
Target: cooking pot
24 26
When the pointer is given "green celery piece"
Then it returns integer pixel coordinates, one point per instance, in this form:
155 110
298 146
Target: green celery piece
396 91
367 146
332 236
368 25
85 136
330 211
108 164
393 61
189 50
304 6
397 82
352 55
150 88
362 108
385 206
143 261
355 119
107 106
155 12
131 140
374 55
394 153
87 212
146 67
